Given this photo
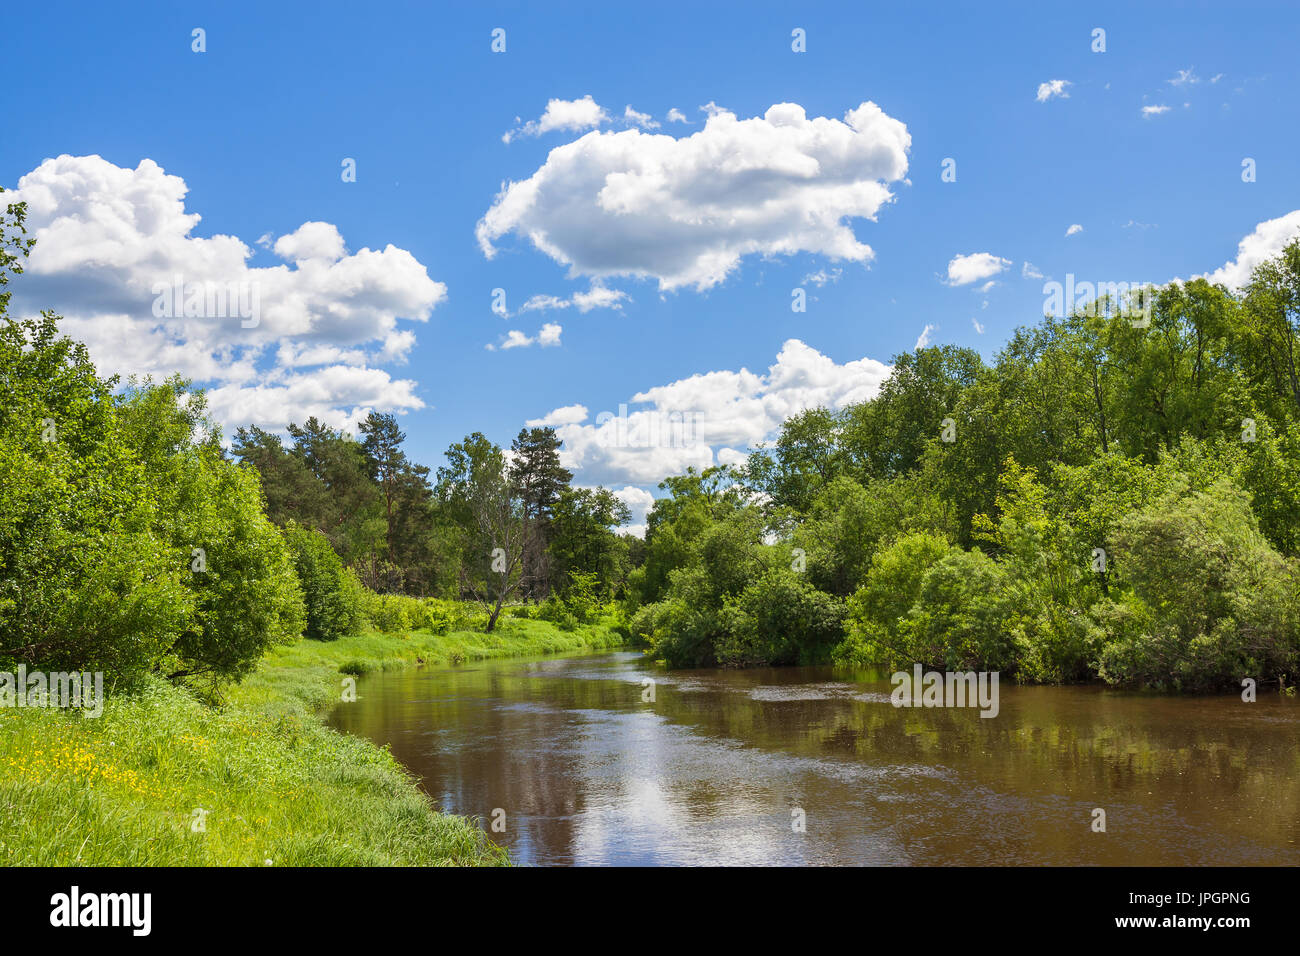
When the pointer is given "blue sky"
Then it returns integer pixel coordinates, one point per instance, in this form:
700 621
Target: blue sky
257 127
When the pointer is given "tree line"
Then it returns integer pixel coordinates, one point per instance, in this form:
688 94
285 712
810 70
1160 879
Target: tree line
1112 497
1105 499
132 542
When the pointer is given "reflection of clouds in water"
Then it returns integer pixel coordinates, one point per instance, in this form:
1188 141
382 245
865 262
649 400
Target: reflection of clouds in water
710 773
657 792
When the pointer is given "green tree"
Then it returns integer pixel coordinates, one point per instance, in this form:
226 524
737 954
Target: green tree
332 610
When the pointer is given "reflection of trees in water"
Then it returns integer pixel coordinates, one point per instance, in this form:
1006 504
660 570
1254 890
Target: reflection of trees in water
515 736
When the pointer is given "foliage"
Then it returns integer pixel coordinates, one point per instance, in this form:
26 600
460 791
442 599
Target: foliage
1206 600
331 593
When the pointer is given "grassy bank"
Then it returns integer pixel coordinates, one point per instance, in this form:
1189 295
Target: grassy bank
275 783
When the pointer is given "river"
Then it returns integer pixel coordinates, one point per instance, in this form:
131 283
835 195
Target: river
810 765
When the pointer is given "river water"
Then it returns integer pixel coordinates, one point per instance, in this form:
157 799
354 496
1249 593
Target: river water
813 765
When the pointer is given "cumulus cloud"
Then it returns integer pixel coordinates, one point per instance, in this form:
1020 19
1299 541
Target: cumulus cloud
1185 77
923 339
644 120
1074 228
1052 88
979 329
664 430
677 116
685 211
1150 111
963 270
566 415
116 255
566 115
515 339
597 297
1030 271
639 502
1265 242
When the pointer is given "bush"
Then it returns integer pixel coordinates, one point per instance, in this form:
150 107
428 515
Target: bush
87 582
127 544
877 612
333 604
390 613
780 618
556 611
1206 602
963 616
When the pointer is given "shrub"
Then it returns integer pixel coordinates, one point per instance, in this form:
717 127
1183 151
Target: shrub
876 613
329 590
1206 602
390 613
963 615
780 618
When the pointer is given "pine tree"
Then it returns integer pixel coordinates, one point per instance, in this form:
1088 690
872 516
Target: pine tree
540 480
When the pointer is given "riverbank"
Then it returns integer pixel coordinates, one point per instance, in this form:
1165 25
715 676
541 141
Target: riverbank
161 779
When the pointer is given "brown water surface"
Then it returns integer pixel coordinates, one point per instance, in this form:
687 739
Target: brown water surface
715 768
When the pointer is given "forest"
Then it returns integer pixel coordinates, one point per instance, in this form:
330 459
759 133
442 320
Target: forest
1105 499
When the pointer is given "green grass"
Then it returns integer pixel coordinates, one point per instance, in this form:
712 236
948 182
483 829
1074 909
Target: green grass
277 785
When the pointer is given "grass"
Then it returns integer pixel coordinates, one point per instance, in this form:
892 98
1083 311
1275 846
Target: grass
274 784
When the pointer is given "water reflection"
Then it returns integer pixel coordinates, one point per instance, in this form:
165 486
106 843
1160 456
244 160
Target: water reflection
710 772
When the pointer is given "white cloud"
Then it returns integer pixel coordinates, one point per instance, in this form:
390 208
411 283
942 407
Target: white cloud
312 240
1185 77
1030 271
1074 228
687 211
678 425
566 415
549 335
568 115
1052 88
596 297
515 339
923 340
111 244
1265 242
677 116
1150 111
644 120
822 277
979 329
963 270
639 502
599 297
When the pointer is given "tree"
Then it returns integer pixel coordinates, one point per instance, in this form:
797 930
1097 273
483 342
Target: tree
87 581
540 481
387 463
1269 338
332 610
475 489
238 567
1205 600
583 541
293 492
805 459
877 613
